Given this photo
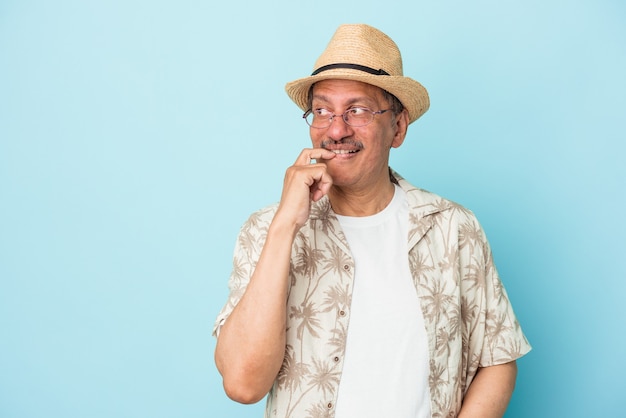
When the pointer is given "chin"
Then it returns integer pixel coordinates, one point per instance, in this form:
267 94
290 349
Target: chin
342 180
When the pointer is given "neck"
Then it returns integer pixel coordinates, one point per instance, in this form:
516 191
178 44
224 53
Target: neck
350 202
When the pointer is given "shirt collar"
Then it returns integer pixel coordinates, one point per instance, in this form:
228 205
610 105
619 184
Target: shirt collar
421 202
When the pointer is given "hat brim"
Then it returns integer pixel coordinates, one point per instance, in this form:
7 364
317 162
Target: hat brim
411 94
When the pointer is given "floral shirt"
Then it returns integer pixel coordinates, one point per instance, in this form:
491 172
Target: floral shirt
469 320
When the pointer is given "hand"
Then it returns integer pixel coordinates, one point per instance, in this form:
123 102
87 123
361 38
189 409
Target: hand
304 182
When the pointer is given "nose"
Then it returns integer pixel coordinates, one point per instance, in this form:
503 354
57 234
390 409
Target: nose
338 129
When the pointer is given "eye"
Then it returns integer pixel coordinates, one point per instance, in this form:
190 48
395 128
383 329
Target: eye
357 111
321 112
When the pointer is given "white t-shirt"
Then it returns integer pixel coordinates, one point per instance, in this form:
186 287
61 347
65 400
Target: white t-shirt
386 365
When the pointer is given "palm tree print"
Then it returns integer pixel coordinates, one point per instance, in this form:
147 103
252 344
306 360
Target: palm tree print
305 314
468 318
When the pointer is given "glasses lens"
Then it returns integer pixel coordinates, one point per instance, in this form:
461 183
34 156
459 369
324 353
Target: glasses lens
358 116
309 118
322 118
318 118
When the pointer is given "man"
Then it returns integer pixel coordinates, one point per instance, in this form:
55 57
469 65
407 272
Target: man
359 295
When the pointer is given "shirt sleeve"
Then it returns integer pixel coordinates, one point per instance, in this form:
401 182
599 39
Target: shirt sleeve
500 332
247 251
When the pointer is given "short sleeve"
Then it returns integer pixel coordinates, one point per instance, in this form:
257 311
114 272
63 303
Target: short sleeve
501 334
246 254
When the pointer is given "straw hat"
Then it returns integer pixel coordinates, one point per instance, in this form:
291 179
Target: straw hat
363 53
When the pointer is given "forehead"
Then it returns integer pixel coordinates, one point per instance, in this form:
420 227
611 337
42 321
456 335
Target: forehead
346 91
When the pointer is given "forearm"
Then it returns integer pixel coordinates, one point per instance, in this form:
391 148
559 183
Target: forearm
251 344
490 392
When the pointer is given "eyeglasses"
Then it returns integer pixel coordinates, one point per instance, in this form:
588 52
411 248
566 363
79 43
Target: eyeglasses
355 117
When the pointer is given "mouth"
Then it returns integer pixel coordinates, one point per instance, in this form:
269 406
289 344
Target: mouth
344 151
343 148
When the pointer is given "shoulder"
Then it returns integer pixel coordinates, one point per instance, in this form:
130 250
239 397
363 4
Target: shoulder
423 203
253 231
261 217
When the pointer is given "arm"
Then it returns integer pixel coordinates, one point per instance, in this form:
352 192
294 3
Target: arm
489 393
251 343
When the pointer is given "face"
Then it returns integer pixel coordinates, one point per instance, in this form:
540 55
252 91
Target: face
362 158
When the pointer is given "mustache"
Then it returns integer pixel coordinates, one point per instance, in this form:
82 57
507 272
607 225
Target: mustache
346 141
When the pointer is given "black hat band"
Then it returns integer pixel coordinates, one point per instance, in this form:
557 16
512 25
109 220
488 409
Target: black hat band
352 67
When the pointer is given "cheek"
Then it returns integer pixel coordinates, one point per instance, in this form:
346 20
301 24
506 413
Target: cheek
316 136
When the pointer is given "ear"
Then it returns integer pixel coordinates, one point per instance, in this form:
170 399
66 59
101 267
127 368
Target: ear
401 126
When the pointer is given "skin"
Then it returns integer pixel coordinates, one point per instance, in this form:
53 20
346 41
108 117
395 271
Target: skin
490 392
251 344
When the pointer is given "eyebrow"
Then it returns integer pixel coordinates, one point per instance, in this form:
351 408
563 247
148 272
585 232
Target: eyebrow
364 99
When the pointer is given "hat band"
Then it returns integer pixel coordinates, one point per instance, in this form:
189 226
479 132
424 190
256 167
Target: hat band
351 67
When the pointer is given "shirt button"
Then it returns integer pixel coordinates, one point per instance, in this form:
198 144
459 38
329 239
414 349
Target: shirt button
342 313
336 359
346 267
330 405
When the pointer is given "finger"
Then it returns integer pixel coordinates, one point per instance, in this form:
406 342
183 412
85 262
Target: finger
321 186
311 155
324 154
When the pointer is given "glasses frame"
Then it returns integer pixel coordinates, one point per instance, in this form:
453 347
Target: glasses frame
343 116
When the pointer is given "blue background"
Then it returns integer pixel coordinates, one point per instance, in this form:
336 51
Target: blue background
134 142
